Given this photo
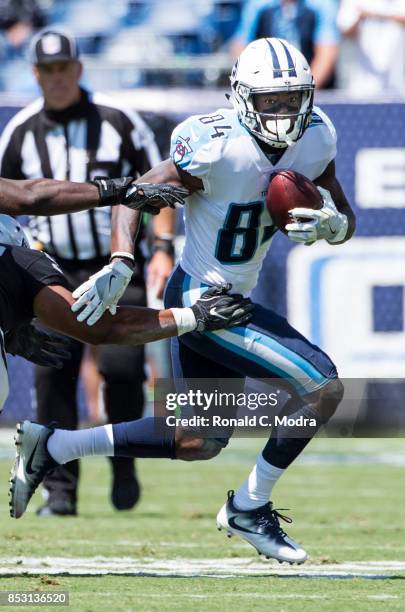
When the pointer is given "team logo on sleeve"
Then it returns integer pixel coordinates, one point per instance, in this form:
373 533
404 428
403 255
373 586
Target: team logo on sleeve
182 148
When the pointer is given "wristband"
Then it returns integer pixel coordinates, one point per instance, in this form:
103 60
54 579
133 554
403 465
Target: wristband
123 255
185 320
165 247
165 237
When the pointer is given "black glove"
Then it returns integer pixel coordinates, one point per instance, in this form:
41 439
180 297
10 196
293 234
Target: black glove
38 346
216 309
147 196
112 191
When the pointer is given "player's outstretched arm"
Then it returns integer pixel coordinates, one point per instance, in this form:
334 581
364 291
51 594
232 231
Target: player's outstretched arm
215 309
51 197
46 197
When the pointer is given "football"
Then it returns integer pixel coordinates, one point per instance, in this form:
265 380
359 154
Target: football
288 190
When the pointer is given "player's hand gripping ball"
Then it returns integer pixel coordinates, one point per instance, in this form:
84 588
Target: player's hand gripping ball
288 190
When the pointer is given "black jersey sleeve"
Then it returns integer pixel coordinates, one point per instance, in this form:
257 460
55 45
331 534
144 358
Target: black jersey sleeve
39 270
23 273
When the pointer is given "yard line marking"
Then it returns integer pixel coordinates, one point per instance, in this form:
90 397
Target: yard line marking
382 596
248 594
219 568
237 544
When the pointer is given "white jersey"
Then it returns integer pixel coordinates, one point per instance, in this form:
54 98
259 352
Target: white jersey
228 227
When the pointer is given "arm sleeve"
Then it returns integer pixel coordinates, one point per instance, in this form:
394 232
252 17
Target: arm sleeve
39 270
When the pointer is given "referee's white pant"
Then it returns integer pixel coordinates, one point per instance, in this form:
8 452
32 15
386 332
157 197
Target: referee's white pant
3 372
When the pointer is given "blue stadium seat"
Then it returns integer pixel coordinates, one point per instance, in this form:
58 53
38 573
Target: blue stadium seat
137 13
223 20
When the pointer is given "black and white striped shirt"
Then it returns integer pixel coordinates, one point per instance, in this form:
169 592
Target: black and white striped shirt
93 137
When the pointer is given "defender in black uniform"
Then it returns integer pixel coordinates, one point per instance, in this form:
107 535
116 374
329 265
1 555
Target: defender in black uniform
32 285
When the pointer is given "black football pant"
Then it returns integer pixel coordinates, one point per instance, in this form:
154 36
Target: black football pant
122 368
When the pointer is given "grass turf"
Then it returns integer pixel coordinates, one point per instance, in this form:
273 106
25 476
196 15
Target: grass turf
343 511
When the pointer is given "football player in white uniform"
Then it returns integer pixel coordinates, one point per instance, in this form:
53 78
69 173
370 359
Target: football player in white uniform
225 160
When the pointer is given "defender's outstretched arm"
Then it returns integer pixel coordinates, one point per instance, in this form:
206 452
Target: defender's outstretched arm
132 325
51 197
46 197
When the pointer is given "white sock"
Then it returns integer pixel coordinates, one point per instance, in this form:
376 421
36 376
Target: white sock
64 445
257 488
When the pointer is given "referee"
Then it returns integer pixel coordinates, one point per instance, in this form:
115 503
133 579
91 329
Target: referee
72 134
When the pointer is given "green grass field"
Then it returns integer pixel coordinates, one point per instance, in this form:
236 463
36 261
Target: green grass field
346 498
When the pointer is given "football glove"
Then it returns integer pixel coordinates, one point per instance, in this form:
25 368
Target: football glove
149 197
112 191
310 225
216 309
101 292
39 346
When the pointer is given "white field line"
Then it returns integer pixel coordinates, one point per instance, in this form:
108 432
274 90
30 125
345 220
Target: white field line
240 545
252 595
383 458
235 544
220 568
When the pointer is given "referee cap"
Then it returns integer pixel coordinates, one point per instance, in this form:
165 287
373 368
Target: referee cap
53 45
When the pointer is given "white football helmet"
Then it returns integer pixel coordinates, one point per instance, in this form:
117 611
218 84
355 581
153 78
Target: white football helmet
272 65
11 232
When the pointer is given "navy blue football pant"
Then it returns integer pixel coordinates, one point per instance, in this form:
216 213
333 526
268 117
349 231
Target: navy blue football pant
267 347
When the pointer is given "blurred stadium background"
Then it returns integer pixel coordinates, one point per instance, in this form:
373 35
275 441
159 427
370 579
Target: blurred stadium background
172 60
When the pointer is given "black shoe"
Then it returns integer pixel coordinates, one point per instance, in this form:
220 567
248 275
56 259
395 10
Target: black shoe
125 491
61 506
